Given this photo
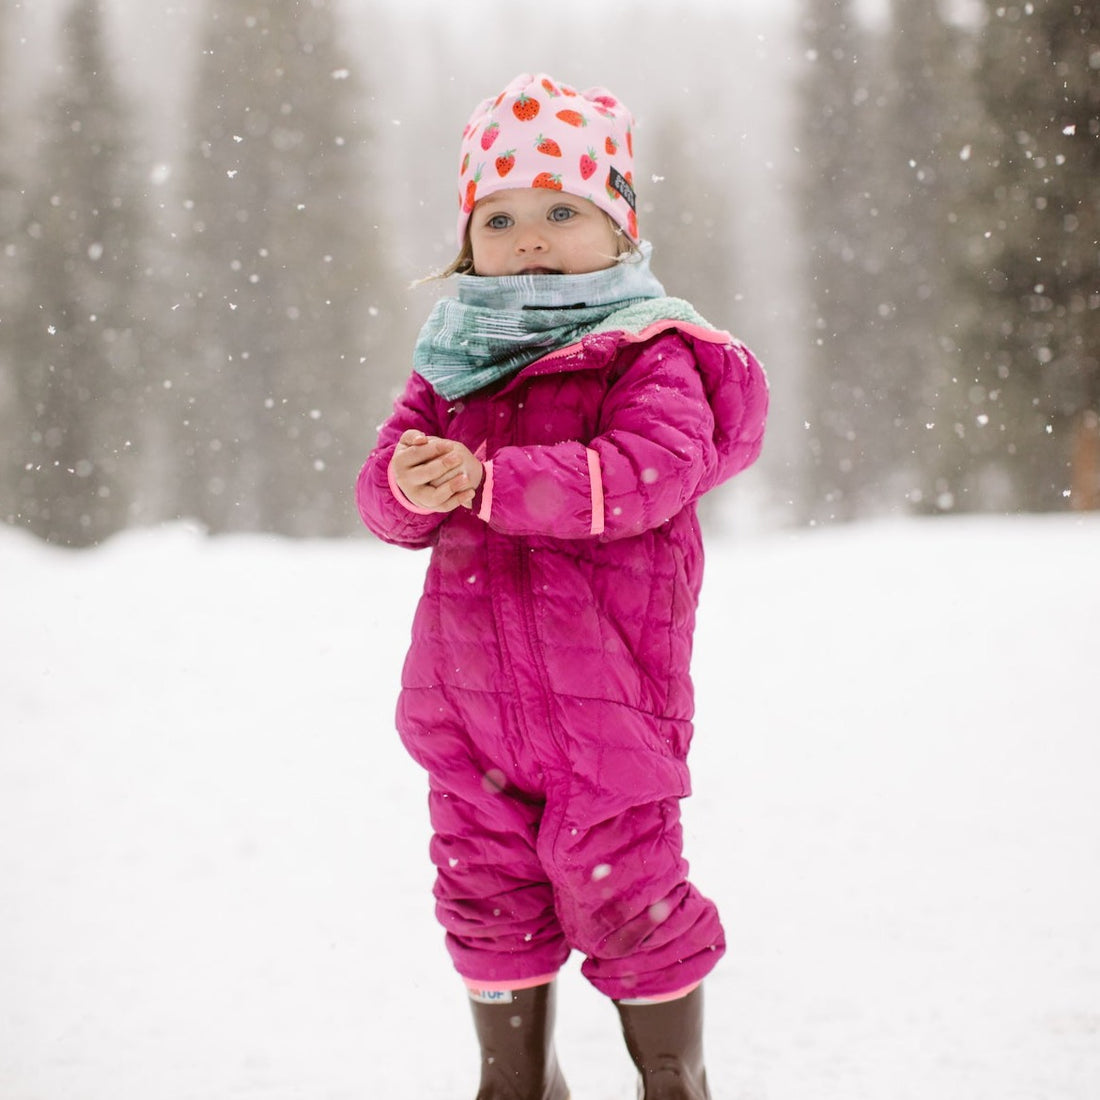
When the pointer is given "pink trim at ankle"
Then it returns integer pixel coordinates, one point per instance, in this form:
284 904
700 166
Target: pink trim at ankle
507 987
660 998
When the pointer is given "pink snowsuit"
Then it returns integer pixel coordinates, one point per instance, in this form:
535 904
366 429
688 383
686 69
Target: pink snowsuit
547 689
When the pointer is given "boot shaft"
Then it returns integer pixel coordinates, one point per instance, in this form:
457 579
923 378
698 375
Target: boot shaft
665 1041
518 1061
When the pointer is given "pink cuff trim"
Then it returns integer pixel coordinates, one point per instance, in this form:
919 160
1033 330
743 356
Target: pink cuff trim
487 508
402 499
507 987
596 481
660 998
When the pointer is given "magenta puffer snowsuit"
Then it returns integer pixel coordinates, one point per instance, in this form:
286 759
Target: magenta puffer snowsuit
547 689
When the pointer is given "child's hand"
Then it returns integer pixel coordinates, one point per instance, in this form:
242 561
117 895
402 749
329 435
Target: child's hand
438 474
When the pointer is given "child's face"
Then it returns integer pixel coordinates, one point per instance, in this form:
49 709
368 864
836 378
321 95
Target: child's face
534 230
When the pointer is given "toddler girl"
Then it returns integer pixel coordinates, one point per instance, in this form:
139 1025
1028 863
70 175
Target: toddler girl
562 419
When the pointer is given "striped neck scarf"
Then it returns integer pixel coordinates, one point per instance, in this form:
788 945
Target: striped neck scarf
496 326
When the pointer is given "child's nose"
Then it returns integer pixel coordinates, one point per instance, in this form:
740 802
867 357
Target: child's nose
531 239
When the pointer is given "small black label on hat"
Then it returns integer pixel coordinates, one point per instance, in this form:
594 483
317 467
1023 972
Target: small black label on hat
618 182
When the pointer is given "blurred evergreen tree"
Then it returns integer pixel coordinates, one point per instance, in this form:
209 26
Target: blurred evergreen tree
928 107
9 217
287 286
77 328
889 200
840 217
688 214
1033 247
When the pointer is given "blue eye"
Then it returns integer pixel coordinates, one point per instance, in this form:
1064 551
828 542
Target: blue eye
561 213
499 221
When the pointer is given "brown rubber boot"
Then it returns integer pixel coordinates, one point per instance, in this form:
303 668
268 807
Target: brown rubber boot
517 1047
665 1041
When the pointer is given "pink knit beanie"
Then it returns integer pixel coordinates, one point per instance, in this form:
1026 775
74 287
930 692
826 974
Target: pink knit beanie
541 133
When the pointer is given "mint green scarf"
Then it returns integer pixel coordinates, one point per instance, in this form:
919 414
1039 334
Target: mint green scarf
498 325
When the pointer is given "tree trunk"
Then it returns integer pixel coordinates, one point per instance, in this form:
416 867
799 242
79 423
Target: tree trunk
1085 463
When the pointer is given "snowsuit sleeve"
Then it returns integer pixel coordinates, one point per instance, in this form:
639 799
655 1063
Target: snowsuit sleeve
379 504
684 416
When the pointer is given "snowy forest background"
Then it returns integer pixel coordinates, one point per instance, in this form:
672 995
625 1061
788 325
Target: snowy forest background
211 212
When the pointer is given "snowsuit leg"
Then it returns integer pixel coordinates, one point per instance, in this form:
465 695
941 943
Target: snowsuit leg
493 897
537 853
624 900
612 843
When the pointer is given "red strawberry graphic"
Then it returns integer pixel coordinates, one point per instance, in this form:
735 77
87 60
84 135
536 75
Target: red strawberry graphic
611 146
549 86
588 164
525 108
573 118
471 190
604 103
465 164
630 141
548 146
490 134
632 224
545 179
506 162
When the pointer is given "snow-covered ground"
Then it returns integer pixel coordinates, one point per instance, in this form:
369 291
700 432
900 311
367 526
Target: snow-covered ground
213 876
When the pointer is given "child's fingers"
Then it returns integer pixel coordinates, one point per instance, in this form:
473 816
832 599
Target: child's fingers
431 472
457 492
424 463
447 475
421 446
414 437
436 471
432 492
462 499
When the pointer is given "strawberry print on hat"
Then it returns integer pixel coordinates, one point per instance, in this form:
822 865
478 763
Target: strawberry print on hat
550 135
